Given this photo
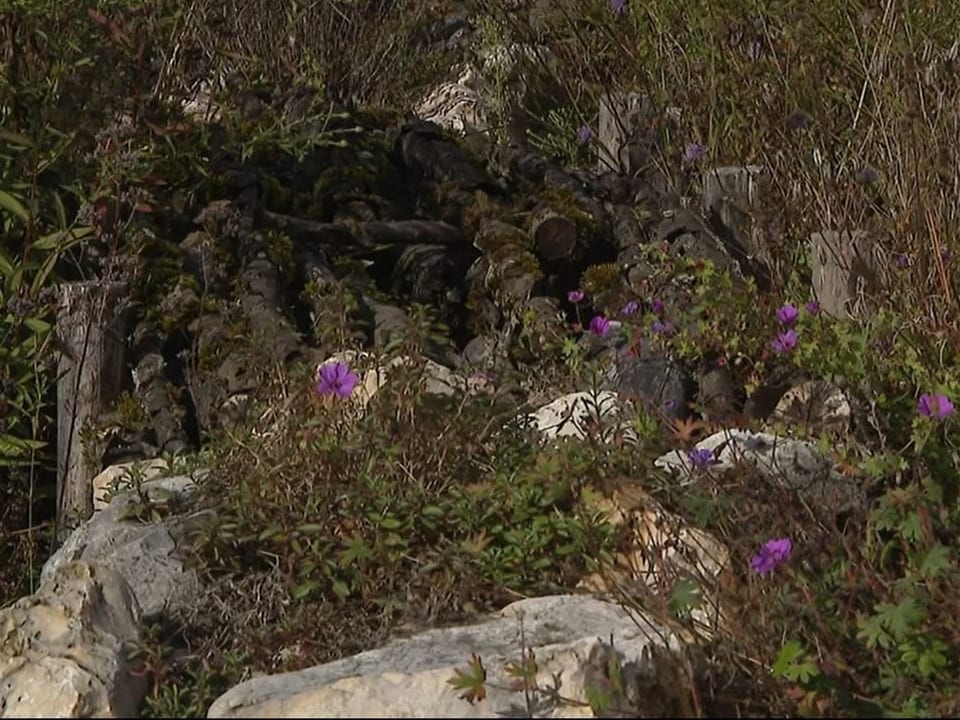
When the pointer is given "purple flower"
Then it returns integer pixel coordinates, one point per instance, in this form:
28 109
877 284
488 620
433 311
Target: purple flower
903 262
772 554
813 307
867 174
584 134
785 342
701 458
575 296
599 325
693 152
656 306
630 308
618 6
935 406
787 315
662 328
335 379
944 254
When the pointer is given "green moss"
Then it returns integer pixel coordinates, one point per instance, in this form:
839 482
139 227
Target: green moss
564 203
598 279
280 249
278 198
129 412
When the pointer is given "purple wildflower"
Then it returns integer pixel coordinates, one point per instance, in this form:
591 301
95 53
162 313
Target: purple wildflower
787 315
772 554
813 307
335 379
867 174
903 262
701 458
656 306
630 308
618 6
785 342
584 134
693 152
934 406
599 325
662 328
575 296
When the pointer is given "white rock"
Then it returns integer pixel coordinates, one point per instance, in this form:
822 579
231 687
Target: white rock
408 678
119 477
789 463
572 416
143 553
63 650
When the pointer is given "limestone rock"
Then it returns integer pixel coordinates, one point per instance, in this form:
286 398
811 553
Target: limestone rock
143 553
783 461
662 550
408 678
63 650
577 414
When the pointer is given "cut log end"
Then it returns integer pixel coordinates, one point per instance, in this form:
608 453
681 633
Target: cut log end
555 236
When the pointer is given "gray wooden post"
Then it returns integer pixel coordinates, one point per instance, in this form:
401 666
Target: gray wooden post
733 193
90 377
620 130
846 268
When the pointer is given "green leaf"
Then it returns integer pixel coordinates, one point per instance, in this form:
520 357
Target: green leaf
303 589
6 267
341 589
355 550
9 203
37 325
16 139
789 653
311 528
14 449
390 523
936 560
685 597
270 533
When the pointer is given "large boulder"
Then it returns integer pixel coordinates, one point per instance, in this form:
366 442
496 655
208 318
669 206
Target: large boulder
64 650
575 638
143 553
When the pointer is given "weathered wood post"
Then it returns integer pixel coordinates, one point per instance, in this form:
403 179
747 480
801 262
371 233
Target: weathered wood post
846 268
90 377
733 194
620 131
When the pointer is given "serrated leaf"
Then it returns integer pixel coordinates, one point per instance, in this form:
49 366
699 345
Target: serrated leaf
789 653
936 560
